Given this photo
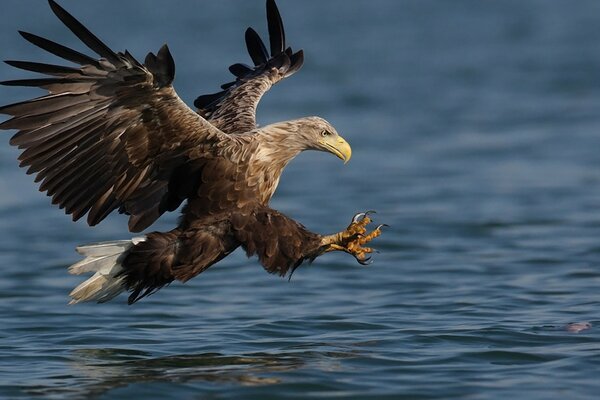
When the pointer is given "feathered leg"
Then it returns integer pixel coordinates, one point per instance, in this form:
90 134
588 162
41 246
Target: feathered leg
282 244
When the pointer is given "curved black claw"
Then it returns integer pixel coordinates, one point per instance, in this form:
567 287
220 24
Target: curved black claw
358 217
361 215
366 261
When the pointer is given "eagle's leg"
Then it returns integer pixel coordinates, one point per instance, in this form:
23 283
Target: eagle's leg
353 239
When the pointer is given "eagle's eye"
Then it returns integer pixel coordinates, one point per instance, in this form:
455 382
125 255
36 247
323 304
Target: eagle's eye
325 133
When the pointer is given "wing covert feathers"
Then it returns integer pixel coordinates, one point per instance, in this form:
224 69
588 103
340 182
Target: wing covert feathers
110 132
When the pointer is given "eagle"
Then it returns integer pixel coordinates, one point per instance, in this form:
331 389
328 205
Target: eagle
112 134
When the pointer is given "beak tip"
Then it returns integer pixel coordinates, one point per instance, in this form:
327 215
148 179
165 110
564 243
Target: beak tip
339 148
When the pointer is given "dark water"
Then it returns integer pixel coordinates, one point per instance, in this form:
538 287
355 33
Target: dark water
476 135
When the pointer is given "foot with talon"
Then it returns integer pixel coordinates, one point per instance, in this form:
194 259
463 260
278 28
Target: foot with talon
354 237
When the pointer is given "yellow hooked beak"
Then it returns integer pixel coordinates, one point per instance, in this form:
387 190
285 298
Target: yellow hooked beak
338 146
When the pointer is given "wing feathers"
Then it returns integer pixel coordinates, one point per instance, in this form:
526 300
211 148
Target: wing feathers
207 102
276 32
59 50
110 133
44 133
38 155
256 47
55 173
162 66
84 34
48 69
43 105
43 83
233 110
296 61
32 121
240 70
79 188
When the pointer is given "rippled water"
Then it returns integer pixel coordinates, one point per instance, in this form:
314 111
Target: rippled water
476 135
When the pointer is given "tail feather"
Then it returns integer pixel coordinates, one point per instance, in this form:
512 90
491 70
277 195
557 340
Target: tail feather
94 264
107 248
104 259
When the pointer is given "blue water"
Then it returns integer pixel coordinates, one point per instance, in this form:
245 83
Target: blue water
476 135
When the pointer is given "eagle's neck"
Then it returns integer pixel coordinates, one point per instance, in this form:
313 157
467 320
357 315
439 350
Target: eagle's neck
278 144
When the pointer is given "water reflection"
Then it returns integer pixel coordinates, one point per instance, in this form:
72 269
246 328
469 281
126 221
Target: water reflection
95 372
107 369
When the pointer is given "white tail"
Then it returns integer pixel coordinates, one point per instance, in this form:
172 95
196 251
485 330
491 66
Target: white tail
105 260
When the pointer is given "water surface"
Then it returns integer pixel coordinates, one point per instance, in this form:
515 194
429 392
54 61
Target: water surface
475 128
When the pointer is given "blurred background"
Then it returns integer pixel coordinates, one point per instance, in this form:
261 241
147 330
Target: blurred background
475 129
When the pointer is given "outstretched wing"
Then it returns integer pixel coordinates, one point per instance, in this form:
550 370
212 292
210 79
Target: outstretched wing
233 110
111 133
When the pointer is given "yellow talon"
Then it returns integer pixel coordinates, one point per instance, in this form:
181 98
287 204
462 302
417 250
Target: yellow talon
353 238
358 228
370 236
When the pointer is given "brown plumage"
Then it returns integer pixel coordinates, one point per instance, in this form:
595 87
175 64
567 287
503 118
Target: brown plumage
112 134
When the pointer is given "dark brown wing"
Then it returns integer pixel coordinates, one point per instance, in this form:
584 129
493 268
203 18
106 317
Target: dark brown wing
233 110
111 133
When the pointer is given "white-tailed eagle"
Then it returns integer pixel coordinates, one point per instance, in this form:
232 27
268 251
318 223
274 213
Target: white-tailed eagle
112 134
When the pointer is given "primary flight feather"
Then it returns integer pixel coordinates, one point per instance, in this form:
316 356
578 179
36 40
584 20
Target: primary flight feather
112 134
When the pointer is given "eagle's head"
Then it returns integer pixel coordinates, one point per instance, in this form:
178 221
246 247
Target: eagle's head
320 135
